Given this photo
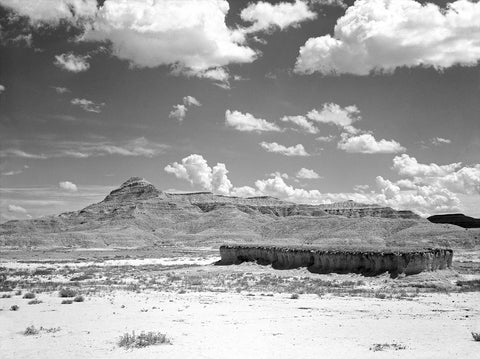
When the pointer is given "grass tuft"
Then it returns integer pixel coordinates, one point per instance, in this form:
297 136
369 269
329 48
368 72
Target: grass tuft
142 340
35 301
31 330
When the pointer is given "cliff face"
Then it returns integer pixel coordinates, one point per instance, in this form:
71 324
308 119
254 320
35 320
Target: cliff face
138 214
368 263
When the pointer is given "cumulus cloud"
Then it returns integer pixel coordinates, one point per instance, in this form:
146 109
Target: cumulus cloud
2 89
301 122
196 170
191 36
332 113
297 150
249 123
409 166
72 63
305 173
16 209
366 143
52 11
265 16
68 186
138 147
179 111
423 194
88 105
381 35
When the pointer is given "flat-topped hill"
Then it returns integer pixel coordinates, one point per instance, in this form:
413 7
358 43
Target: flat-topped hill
137 214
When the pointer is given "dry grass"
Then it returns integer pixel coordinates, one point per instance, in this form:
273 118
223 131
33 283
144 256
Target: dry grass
143 339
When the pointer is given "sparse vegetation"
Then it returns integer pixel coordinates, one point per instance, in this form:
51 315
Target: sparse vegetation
128 340
35 301
29 295
476 336
67 293
31 330
387 346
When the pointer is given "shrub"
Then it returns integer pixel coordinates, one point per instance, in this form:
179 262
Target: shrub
128 340
14 308
67 301
35 301
79 298
476 336
294 296
31 330
67 293
6 296
29 295
18 292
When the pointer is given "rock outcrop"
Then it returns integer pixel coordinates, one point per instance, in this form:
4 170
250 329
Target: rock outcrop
368 263
137 215
457 219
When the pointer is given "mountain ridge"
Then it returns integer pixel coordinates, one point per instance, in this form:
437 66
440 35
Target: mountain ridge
138 214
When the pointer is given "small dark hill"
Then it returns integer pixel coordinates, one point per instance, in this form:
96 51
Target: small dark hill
457 219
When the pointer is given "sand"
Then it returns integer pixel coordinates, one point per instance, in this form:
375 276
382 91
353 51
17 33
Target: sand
239 325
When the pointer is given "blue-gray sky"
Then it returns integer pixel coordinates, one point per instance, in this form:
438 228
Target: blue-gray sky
308 101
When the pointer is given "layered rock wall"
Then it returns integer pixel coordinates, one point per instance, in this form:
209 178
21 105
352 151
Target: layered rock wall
368 263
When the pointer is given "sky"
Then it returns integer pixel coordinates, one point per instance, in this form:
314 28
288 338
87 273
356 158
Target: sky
309 101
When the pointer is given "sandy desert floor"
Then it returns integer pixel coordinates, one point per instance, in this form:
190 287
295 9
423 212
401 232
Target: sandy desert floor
240 311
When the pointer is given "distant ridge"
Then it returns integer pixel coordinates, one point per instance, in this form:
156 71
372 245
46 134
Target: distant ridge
457 219
137 214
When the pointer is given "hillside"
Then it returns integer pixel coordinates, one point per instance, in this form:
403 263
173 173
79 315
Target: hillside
137 215
457 219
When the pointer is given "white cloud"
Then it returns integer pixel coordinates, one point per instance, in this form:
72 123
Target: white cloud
68 186
72 63
328 138
88 105
305 173
249 123
60 90
381 35
52 11
301 122
426 195
332 113
191 36
409 166
2 89
196 170
265 16
437 141
366 143
16 209
138 147
179 111
297 150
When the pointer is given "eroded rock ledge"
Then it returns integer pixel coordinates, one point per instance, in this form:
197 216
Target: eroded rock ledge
368 263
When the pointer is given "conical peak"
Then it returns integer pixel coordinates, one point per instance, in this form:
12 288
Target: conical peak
135 181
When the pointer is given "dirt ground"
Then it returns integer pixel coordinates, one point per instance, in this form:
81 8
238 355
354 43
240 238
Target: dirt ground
243 311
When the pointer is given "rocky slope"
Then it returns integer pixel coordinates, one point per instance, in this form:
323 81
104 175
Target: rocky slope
366 262
457 219
137 214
